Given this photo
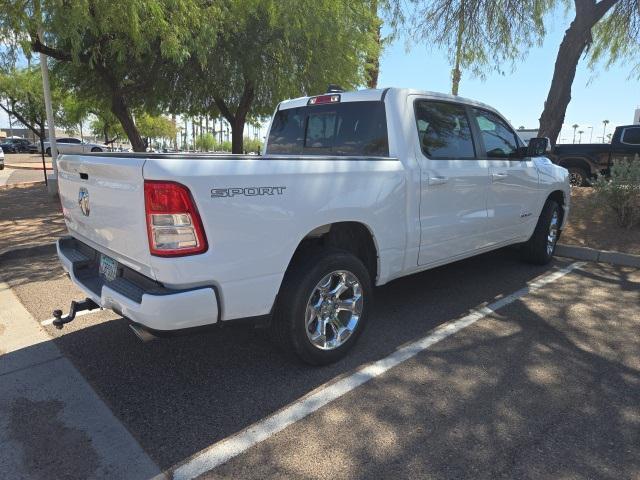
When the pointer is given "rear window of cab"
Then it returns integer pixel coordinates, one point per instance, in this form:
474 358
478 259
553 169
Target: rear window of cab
342 129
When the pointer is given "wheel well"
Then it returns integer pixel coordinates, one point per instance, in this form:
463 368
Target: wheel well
354 237
559 197
576 163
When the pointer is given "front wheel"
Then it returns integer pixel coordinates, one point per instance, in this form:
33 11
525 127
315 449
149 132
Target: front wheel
48 152
323 305
539 249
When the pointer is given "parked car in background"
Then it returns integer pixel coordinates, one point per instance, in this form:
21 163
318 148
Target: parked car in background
1 159
585 161
355 189
74 145
34 147
15 145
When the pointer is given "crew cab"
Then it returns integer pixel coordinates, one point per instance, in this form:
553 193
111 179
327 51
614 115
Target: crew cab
585 161
352 190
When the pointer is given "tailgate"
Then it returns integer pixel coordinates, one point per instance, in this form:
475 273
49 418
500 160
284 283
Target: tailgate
103 203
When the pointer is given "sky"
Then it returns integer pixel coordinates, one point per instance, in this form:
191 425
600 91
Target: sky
518 95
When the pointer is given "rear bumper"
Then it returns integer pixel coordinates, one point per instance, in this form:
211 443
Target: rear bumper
136 297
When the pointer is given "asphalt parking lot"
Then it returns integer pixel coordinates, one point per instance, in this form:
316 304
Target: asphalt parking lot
546 387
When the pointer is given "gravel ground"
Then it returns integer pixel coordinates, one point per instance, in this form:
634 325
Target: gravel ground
594 226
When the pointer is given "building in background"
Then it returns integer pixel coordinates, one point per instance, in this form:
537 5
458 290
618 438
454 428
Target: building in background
636 117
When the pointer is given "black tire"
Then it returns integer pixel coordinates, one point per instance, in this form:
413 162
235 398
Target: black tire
96 149
578 177
536 250
2 167
288 328
48 152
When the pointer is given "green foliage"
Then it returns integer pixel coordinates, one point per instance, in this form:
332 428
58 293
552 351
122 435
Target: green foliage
617 37
621 192
252 145
266 51
106 125
125 54
156 126
21 95
206 143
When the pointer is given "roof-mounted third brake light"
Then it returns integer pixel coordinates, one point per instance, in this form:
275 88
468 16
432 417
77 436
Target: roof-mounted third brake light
320 99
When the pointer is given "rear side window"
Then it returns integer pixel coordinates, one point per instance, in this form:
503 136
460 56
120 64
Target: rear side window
352 128
631 136
443 130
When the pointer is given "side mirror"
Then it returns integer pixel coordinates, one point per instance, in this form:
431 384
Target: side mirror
538 147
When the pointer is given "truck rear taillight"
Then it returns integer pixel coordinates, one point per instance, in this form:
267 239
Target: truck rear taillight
173 223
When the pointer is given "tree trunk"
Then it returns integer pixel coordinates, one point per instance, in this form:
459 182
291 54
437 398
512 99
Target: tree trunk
121 111
576 40
238 119
373 61
456 74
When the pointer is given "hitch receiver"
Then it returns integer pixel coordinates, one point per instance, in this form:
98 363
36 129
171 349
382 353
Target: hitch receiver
86 304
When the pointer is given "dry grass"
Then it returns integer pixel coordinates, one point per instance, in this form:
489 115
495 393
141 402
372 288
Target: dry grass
593 225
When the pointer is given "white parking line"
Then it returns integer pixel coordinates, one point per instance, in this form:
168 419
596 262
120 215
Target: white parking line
230 447
49 321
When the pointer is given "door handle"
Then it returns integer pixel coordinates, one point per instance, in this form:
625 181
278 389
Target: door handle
438 180
498 176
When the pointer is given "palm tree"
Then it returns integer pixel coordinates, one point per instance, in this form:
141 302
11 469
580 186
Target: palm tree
575 127
604 129
580 132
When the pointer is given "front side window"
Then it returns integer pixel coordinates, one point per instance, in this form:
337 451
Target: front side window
499 140
343 129
443 130
631 136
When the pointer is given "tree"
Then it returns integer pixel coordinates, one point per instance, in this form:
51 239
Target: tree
575 127
113 51
478 35
266 51
580 132
73 113
604 129
106 125
21 91
616 26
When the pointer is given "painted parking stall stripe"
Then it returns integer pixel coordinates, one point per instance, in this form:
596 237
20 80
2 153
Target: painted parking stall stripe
226 449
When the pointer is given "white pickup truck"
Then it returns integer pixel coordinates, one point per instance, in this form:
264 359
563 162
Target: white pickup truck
353 189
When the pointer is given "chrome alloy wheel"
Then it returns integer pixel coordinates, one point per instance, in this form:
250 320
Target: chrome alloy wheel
333 310
552 237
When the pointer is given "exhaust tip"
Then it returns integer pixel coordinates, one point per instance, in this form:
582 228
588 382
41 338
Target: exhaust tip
144 335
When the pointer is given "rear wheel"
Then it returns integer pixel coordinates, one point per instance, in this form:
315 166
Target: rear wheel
96 149
539 249
48 151
578 177
322 306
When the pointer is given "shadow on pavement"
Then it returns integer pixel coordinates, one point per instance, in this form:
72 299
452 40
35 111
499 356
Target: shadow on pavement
476 404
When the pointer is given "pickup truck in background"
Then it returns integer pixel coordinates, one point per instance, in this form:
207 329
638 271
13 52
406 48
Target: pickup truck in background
353 189
585 161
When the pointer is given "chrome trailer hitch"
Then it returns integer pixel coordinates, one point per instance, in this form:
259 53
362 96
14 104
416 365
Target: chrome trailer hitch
86 304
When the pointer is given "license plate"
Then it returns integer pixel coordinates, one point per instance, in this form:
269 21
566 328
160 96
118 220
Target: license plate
108 268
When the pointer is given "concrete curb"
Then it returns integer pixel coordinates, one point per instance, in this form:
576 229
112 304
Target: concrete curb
602 256
22 167
21 184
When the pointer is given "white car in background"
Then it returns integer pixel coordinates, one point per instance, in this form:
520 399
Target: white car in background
74 145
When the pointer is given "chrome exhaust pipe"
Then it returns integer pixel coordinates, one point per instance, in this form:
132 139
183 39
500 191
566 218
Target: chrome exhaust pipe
144 335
